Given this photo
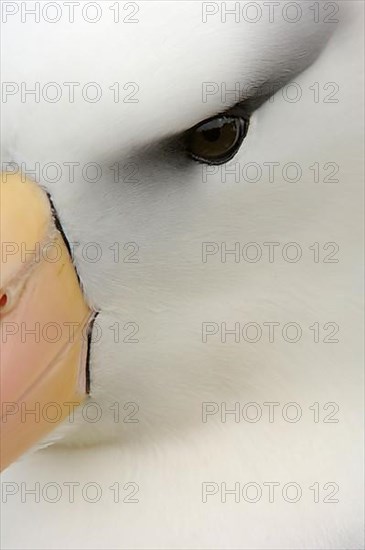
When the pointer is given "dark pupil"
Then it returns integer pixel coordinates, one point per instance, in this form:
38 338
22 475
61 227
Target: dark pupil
212 135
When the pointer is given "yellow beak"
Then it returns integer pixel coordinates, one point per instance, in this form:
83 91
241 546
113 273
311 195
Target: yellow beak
44 321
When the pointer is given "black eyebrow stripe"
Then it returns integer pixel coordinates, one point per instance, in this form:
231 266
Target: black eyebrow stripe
257 96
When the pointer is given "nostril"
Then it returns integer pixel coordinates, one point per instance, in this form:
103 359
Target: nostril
3 300
10 295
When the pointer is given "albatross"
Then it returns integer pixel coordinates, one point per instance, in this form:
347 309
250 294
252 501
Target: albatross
180 297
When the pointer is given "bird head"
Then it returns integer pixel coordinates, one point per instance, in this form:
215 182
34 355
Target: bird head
114 143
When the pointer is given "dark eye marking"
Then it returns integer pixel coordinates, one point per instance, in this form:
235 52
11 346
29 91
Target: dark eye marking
217 139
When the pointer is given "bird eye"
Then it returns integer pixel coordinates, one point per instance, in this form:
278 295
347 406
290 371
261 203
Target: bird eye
216 140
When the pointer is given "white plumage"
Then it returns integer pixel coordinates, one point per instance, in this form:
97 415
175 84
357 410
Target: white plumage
168 210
